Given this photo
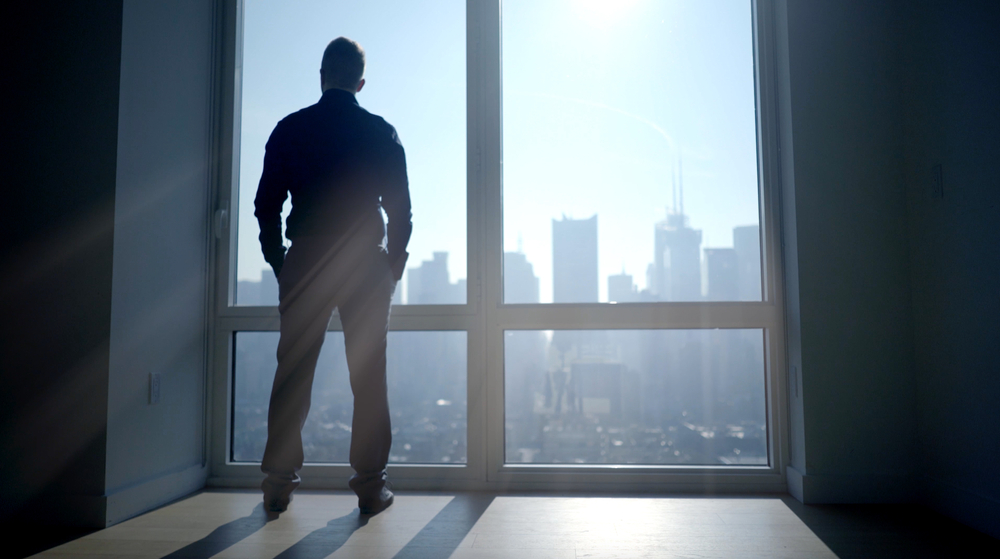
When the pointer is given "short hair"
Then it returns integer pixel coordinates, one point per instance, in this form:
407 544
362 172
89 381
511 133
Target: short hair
343 63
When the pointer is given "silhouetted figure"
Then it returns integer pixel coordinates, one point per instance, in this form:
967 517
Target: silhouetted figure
342 165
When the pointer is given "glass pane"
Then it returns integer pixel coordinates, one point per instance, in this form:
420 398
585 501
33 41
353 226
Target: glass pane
420 91
630 149
658 397
427 398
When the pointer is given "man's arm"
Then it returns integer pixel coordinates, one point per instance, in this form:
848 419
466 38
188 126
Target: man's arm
271 194
396 203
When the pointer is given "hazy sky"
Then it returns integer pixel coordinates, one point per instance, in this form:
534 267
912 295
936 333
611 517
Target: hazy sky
601 99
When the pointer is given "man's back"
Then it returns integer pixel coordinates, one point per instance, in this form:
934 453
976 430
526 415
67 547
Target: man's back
340 163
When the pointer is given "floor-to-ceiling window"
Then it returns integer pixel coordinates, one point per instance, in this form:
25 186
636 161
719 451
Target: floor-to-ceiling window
591 291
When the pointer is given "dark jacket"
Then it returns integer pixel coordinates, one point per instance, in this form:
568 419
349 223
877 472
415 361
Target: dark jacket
341 165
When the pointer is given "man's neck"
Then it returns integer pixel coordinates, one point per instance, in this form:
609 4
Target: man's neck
330 88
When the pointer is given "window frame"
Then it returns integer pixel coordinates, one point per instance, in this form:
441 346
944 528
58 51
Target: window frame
484 317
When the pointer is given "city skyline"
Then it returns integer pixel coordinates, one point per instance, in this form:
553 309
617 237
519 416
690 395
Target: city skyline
688 272
640 86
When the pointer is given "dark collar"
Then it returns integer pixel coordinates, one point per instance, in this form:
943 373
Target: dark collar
338 96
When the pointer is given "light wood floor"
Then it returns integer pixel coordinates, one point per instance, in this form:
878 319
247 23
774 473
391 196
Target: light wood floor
318 525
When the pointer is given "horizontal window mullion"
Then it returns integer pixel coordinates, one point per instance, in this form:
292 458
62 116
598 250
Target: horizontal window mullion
271 322
716 315
428 322
433 310
397 310
262 323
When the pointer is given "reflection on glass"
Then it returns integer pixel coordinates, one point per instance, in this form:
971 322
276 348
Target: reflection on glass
630 150
420 91
427 398
657 397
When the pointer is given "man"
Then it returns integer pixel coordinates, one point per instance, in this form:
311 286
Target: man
342 167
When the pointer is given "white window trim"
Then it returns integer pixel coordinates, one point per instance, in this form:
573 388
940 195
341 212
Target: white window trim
485 318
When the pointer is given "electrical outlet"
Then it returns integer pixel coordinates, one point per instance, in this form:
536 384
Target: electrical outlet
937 188
154 388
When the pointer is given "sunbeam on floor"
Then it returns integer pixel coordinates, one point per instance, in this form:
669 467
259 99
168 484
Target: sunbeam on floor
318 525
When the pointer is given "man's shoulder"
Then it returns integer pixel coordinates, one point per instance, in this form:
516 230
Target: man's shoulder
377 128
307 115
299 117
291 126
377 123
307 120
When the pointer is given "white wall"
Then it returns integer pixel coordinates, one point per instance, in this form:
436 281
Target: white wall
155 453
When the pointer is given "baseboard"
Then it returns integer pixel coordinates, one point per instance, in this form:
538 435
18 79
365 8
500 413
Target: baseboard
813 489
968 507
137 499
795 483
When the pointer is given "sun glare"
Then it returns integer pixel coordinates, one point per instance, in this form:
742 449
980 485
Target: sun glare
603 12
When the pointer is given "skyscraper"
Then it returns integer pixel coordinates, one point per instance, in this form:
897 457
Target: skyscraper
254 293
574 260
429 283
720 264
746 241
520 285
677 258
621 289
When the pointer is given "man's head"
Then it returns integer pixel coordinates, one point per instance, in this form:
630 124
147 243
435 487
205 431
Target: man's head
343 66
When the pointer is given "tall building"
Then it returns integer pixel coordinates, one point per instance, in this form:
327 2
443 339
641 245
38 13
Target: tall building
429 284
746 241
397 295
574 260
621 289
524 361
520 285
721 269
676 258
258 293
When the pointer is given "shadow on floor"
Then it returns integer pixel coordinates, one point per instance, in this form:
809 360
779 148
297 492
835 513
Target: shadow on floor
891 531
224 536
443 534
321 543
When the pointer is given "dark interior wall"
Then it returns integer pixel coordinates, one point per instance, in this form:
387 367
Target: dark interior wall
952 94
107 146
847 259
893 281
59 139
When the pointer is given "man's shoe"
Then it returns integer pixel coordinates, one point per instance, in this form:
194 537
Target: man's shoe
277 503
377 504
278 492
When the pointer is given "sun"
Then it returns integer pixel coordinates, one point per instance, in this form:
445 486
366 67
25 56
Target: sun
603 12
